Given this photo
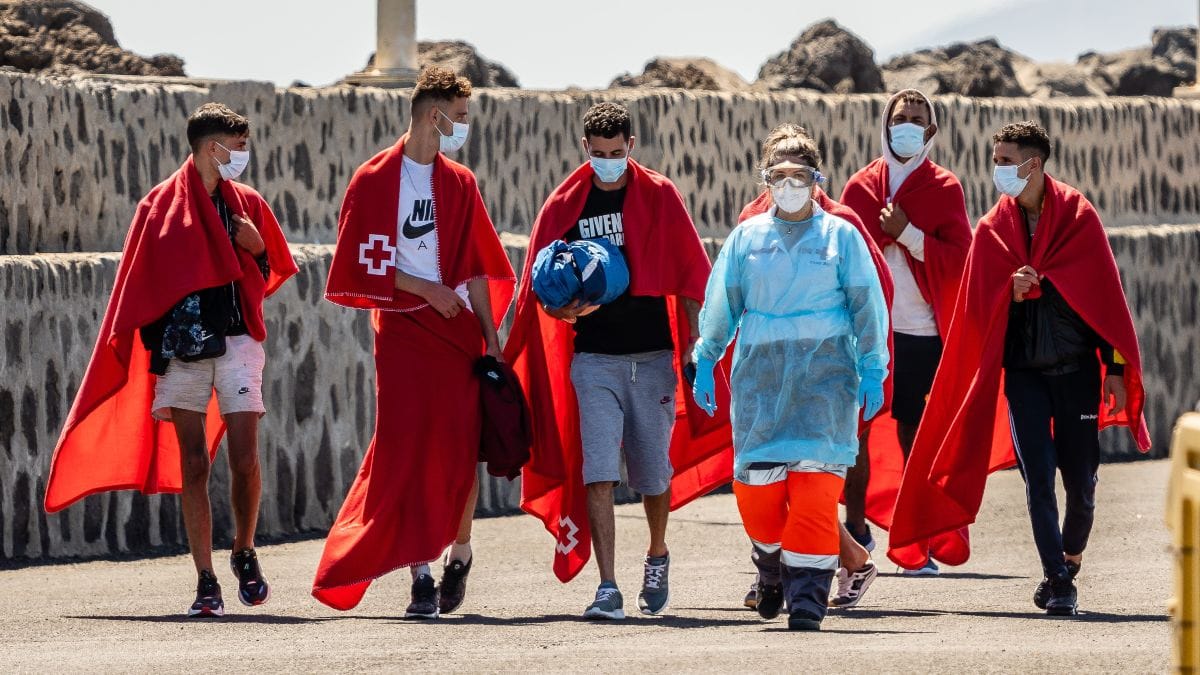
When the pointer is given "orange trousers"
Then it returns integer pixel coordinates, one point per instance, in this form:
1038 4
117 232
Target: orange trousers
798 513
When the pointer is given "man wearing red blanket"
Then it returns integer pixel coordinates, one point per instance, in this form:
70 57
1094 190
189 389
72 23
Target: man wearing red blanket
613 383
1042 317
915 212
201 254
416 245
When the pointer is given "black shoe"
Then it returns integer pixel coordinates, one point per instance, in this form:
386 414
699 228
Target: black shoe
454 585
253 589
424 603
770 600
802 620
1063 600
1042 594
208 597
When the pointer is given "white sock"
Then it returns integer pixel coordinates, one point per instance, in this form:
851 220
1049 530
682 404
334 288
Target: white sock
418 570
460 552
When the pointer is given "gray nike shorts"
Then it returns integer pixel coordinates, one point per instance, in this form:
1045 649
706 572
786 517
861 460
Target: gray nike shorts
626 404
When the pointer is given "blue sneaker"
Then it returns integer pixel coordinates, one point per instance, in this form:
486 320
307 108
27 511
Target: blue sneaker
607 605
929 569
865 539
656 593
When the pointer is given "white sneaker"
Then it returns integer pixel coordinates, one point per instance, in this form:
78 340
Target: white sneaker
852 586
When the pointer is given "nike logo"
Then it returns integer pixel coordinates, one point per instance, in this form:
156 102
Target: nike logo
665 400
411 231
204 335
244 390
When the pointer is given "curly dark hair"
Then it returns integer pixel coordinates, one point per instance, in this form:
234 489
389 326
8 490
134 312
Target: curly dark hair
438 84
1027 135
789 140
607 120
214 118
911 96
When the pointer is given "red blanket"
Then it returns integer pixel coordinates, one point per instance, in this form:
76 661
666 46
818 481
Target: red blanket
404 506
110 441
666 258
933 199
964 434
887 461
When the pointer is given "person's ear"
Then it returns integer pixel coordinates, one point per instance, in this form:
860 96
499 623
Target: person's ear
587 151
632 143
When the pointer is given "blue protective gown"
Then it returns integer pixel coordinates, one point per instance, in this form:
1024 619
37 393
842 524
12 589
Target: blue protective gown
813 321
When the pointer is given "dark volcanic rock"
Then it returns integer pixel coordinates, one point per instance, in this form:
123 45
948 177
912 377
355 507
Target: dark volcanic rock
462 58
61 37
825 57
982 68
684 73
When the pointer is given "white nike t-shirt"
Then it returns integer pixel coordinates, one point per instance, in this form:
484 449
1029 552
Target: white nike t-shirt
416 230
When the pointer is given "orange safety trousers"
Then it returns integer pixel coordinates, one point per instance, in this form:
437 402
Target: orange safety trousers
799 513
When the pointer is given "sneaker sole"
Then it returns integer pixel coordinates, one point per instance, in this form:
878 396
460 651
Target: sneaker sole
417 615
233 567
804 624
920 573
749 602
648 612
1062 611
616 614
206 613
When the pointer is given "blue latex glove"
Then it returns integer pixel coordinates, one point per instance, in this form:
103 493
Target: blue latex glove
704 390
870 394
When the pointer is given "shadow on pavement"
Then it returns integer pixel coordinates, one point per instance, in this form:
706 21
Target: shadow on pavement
1088 617
228 618
480 620
958 575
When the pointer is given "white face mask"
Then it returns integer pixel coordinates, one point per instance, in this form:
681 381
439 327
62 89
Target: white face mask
1007 181
790 197
457 138
238 159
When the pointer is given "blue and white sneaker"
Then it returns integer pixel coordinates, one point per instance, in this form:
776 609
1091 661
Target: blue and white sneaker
929 569
656 592
865 539
607 605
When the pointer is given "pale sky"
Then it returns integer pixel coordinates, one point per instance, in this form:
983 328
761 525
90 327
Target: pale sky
553 44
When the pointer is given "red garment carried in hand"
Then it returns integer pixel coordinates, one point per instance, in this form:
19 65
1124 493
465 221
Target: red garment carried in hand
177 244
964 434
406 502
665 258
887 461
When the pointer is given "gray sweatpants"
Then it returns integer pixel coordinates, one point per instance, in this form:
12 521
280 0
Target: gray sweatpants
627 403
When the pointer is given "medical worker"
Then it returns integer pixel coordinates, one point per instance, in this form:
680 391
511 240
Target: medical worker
799 288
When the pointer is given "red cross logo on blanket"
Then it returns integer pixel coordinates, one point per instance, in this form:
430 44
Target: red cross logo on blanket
377 254
566 535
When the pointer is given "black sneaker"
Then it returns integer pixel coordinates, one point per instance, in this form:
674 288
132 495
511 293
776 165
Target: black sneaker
253 589
802 620
770 600
454 585
424 603
1042 594
208 597
1063 600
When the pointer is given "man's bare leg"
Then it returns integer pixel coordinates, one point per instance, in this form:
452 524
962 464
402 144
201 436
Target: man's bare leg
194 465
658 510
855 489
604 528
245 476
852 555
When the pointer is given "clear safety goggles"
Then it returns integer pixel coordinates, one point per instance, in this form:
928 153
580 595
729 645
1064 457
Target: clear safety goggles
802 177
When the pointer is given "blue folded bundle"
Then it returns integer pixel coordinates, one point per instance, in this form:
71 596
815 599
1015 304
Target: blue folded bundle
592 271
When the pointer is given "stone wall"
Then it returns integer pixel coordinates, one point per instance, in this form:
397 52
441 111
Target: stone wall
319 389
77 154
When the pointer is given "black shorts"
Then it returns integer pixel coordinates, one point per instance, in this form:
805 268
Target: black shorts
915 361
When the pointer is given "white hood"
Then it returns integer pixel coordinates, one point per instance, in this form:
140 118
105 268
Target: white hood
899 170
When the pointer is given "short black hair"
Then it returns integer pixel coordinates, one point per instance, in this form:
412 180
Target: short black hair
215 118
1027 135
438 84
607 120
